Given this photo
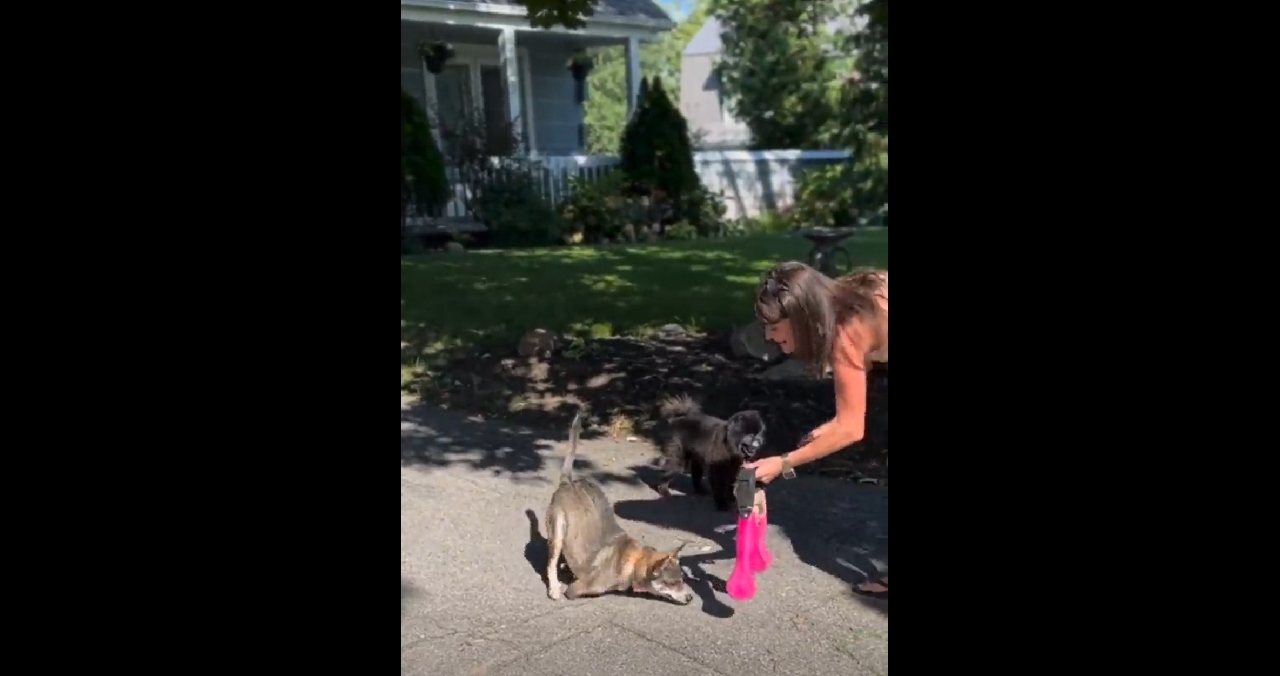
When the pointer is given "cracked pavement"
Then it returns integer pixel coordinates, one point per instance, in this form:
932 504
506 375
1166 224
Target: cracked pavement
472 603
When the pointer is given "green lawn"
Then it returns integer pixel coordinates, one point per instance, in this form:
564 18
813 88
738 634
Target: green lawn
480 296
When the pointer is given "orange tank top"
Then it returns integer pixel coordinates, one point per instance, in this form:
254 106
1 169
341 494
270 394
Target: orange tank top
861 334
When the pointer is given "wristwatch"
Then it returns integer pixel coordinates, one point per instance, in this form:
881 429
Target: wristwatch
788 472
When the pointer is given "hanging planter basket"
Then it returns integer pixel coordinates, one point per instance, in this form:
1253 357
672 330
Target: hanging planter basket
580 66
435 55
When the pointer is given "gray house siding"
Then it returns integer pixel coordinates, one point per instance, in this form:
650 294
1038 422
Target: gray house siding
700 100
557 116
710 123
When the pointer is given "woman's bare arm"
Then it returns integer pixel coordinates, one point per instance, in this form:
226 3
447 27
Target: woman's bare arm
849 424
817 432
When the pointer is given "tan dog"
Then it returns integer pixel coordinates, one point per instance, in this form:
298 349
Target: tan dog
603 558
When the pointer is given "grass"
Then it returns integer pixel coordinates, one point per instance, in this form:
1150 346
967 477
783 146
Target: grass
483 296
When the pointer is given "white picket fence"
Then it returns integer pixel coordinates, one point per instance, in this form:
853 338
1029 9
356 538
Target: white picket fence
750 182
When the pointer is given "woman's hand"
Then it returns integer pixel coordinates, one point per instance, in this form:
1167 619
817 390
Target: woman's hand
767 469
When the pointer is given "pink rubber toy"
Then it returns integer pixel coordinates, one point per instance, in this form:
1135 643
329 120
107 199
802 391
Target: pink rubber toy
753 556
762 559
742 583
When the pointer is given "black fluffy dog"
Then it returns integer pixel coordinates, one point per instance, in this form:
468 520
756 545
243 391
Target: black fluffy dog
693 440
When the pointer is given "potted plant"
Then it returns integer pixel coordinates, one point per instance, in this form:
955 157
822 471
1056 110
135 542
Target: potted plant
435 54
580 65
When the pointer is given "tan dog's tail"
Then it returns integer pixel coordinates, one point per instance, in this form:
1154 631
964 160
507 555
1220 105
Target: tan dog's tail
676 407
566 469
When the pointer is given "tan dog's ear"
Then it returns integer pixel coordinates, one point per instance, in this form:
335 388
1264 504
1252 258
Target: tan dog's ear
675 553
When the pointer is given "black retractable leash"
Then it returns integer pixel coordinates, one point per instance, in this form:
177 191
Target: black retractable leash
744 491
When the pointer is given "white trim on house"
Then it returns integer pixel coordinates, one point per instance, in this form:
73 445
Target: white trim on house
488 15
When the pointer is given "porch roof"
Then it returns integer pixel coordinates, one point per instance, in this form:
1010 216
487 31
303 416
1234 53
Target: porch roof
637 15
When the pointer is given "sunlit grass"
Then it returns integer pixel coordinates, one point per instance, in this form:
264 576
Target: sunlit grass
449 302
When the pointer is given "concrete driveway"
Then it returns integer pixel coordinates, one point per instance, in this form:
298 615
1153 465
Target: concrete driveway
472 600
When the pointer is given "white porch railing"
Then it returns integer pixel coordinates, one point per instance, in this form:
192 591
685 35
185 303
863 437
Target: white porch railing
750 182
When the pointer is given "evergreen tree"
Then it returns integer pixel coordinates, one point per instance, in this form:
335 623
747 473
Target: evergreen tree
674 172
636 149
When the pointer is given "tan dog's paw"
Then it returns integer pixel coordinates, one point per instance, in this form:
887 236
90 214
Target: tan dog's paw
555 591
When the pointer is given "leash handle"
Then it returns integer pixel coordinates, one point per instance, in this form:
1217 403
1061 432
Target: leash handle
744 492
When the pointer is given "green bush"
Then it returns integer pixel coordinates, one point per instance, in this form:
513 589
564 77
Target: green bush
840 195
513 209
501 185
657 159
769 223
704 210
601 209
681 230
423 182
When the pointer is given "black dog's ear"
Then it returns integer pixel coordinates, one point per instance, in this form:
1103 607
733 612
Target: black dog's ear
746 420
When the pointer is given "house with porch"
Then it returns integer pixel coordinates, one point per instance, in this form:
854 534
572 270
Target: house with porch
505 71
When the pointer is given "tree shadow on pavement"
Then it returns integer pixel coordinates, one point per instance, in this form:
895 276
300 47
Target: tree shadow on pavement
435 438
406 590
837 527
621 382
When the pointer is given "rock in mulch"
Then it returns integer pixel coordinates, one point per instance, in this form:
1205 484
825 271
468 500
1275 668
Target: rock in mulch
536 343
619 382
671 332
749 341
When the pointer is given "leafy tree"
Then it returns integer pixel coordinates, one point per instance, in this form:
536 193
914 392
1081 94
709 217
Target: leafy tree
778 68
847 193
551 13
605 111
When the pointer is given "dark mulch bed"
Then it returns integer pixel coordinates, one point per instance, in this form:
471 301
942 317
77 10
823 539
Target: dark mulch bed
619 383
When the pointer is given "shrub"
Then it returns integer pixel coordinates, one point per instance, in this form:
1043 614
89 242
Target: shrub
840 195
657 158
513 209
768 223
600 209
704 210
681 230
423 183
500 185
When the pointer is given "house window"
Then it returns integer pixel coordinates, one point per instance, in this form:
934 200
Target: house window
496 111
453 93
477 86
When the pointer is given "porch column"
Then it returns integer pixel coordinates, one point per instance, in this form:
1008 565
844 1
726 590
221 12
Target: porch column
633 75
511 73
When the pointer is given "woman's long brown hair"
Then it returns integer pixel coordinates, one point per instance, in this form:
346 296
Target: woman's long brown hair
818 306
